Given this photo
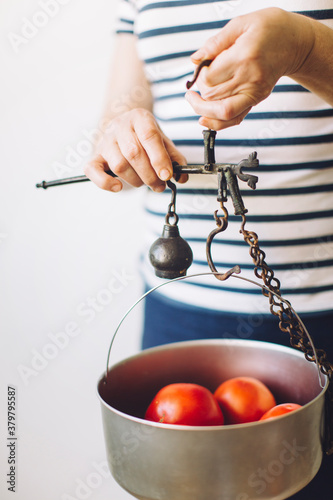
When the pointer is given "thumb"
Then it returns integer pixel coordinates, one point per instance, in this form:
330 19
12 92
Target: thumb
175 156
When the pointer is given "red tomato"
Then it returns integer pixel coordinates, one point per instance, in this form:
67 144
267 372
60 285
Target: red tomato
281 409
185 404
243 399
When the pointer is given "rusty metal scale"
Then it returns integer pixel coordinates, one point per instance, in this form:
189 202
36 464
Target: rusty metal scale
171 257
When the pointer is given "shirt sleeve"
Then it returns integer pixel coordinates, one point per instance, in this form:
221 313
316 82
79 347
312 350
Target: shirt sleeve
126 15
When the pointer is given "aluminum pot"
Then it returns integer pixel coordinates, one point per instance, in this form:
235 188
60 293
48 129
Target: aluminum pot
268 460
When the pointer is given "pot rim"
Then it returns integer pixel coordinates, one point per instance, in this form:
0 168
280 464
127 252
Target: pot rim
227 342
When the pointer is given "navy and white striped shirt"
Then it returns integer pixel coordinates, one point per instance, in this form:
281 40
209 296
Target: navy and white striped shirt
292 131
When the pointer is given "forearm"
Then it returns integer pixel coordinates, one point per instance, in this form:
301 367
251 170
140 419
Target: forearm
316 72
128 87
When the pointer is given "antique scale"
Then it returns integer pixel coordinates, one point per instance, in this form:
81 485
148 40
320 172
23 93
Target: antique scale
156 461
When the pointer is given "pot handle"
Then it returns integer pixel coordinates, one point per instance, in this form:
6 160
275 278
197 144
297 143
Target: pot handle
232 273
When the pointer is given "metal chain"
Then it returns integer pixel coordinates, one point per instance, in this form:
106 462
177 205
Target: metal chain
172 206
288 323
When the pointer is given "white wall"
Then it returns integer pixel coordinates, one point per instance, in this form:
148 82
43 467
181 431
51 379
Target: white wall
59 249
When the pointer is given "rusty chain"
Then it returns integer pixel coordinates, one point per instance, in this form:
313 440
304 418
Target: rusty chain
288 323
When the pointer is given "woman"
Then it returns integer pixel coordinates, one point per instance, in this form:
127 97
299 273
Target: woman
268 89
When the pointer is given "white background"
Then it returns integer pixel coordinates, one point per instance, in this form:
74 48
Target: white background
59 249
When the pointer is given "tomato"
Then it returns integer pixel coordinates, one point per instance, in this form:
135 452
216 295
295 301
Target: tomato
185 404
281 409
243 399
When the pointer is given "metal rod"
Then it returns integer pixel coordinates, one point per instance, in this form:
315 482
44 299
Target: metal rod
68 180
59 182
178 169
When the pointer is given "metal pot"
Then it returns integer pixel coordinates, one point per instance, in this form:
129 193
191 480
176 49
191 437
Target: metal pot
268 460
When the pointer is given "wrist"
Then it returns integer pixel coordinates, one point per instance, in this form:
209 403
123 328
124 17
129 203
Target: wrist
303 34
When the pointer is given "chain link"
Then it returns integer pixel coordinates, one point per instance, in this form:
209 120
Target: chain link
288 323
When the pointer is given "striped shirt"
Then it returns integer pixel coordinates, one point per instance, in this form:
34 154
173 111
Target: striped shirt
292 131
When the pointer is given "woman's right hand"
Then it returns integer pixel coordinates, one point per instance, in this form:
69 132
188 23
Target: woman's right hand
134 147
249 55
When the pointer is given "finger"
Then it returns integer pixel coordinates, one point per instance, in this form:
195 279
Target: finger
222 69
119 163
225 109
152 140
182 179
221 124
96 169
138 169
175 156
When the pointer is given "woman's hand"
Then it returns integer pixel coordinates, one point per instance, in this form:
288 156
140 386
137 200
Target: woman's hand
136 150
249 56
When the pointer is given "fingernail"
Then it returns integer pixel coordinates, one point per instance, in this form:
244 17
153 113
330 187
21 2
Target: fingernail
116 188
165 174
200 54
